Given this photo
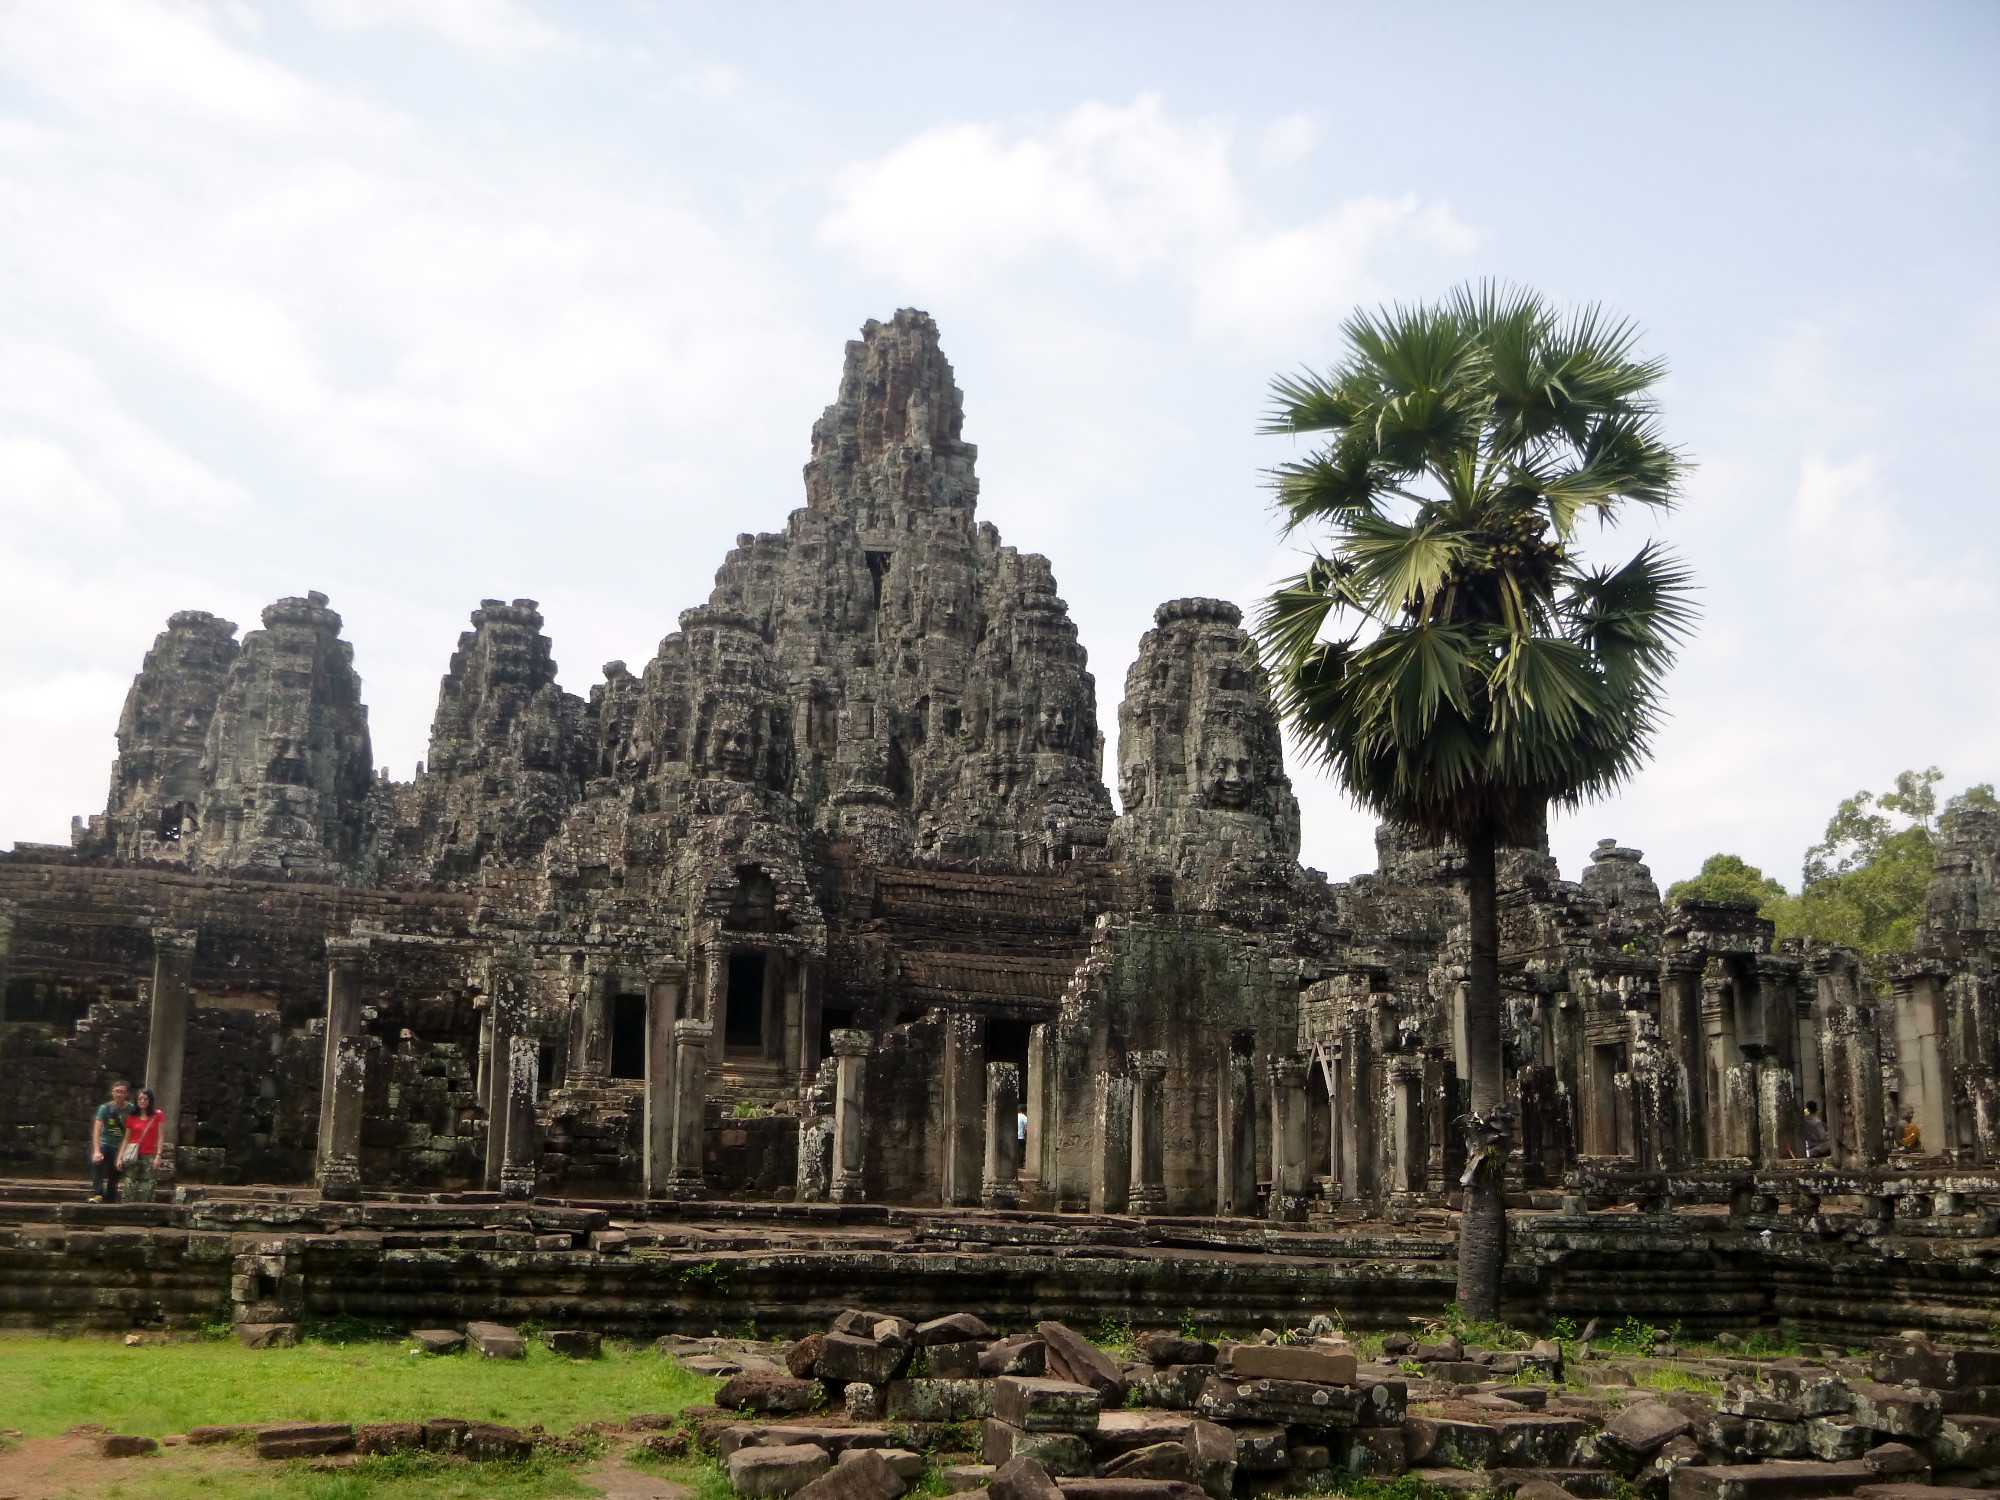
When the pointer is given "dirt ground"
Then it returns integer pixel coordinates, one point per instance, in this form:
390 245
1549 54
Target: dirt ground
54 1468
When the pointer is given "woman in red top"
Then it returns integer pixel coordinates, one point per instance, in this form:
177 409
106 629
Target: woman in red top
140 1155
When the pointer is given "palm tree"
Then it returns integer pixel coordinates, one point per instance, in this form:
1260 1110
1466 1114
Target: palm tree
1445 653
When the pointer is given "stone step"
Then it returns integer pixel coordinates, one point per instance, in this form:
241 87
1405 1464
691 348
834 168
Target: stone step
1777 1479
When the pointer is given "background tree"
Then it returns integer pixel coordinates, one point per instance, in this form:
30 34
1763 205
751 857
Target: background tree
1864 883
1444 653
1725 877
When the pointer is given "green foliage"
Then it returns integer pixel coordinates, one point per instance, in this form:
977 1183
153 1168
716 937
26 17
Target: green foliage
746 1109
707 1276
1113 1333
1483 1332
1725 877
1668 1378
1485 673
1190 1325
399 1476
1636 1336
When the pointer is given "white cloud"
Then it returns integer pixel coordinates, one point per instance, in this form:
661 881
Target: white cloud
1131 191
1287 140
497 26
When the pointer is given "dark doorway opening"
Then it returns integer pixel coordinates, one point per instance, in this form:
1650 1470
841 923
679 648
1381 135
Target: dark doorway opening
628 1036
878 568
830 1021
1007 1042
743 1017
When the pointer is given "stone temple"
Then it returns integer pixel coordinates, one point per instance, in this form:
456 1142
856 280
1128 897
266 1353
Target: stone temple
829 903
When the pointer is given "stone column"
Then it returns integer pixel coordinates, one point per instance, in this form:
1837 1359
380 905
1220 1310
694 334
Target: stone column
691 1040
1718 1027
663 1005
507 984
963 1101
340 1120
1000 1184
1111 1165
522 1150
850 1051
1289 1165
1236 1119
1740 1111
1780 1125
1149 1145
344 958
1863 1142
1920 1059
166 1041
593 1054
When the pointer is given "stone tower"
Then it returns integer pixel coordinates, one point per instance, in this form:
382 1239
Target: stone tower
287 768
156 781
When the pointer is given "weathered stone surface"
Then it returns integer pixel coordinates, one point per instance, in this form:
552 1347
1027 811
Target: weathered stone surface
1021 1479
267 1335
1281 1362
1287 1401
1166 1348
1895 1410
1212 1458
1536 1442
495 1341
953 1361
1768 1481
767 1391
802 1357
1039 1404
219 1433
861 1474
1017 1354
1176 1387
574 1343
1057 1452
124 1445
445 1434
1630 1439
304 1439
1119 1431
1375 1450
1129 1487
1436 1441
388 1437
1166 1460
438 1340
844 1357
955 1328
1074 1358
1261 1448
942 1400
956 1479
763 1473
487 1441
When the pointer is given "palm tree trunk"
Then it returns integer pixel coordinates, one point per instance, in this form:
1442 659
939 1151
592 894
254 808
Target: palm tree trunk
1482 1225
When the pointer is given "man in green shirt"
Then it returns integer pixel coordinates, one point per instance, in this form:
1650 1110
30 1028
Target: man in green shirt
107 1134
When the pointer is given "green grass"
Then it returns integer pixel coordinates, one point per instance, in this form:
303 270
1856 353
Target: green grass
48 1385
1667 1379
395 1477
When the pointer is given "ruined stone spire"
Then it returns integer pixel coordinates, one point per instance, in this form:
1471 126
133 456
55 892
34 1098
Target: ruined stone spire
156 781
505 749
287 766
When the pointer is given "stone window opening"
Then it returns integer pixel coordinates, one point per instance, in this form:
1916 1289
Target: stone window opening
743 1004
878 569
628 1036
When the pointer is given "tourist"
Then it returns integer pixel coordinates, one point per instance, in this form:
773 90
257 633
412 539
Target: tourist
107 1135
139 1157
1815 1130
1912 1137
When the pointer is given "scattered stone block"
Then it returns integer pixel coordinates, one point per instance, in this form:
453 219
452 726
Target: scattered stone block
717 1366
1108 1488
767 1391
956 1479
1074 1358
1384 1403
438 1340
1261 1448
388 1437
1837 1439
1907 1491
1017 1354
864 1474
864 1402
1164 1348
651 1421
763 1473
304 1439
1436 1441
219 1433
1038 1404
1630 1439
1174 1387
1376 1450
958 1361
1212 1458
1022 1479
1057 1452
1537 1442
1898 1461
495 1341
845 1356
802 1358
1968 1442
1896 1411
574 1343
124 1445
940 1400
958 1328
1122 1431
1283 1362
444 1434
1815 1392
267 1335
1283 1401
487 1441
1154 1461
1778 1480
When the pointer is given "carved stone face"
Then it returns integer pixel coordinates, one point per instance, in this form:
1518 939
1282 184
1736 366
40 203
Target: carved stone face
732 749
1228 775
1055 728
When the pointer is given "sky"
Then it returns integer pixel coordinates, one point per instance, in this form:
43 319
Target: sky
418 302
